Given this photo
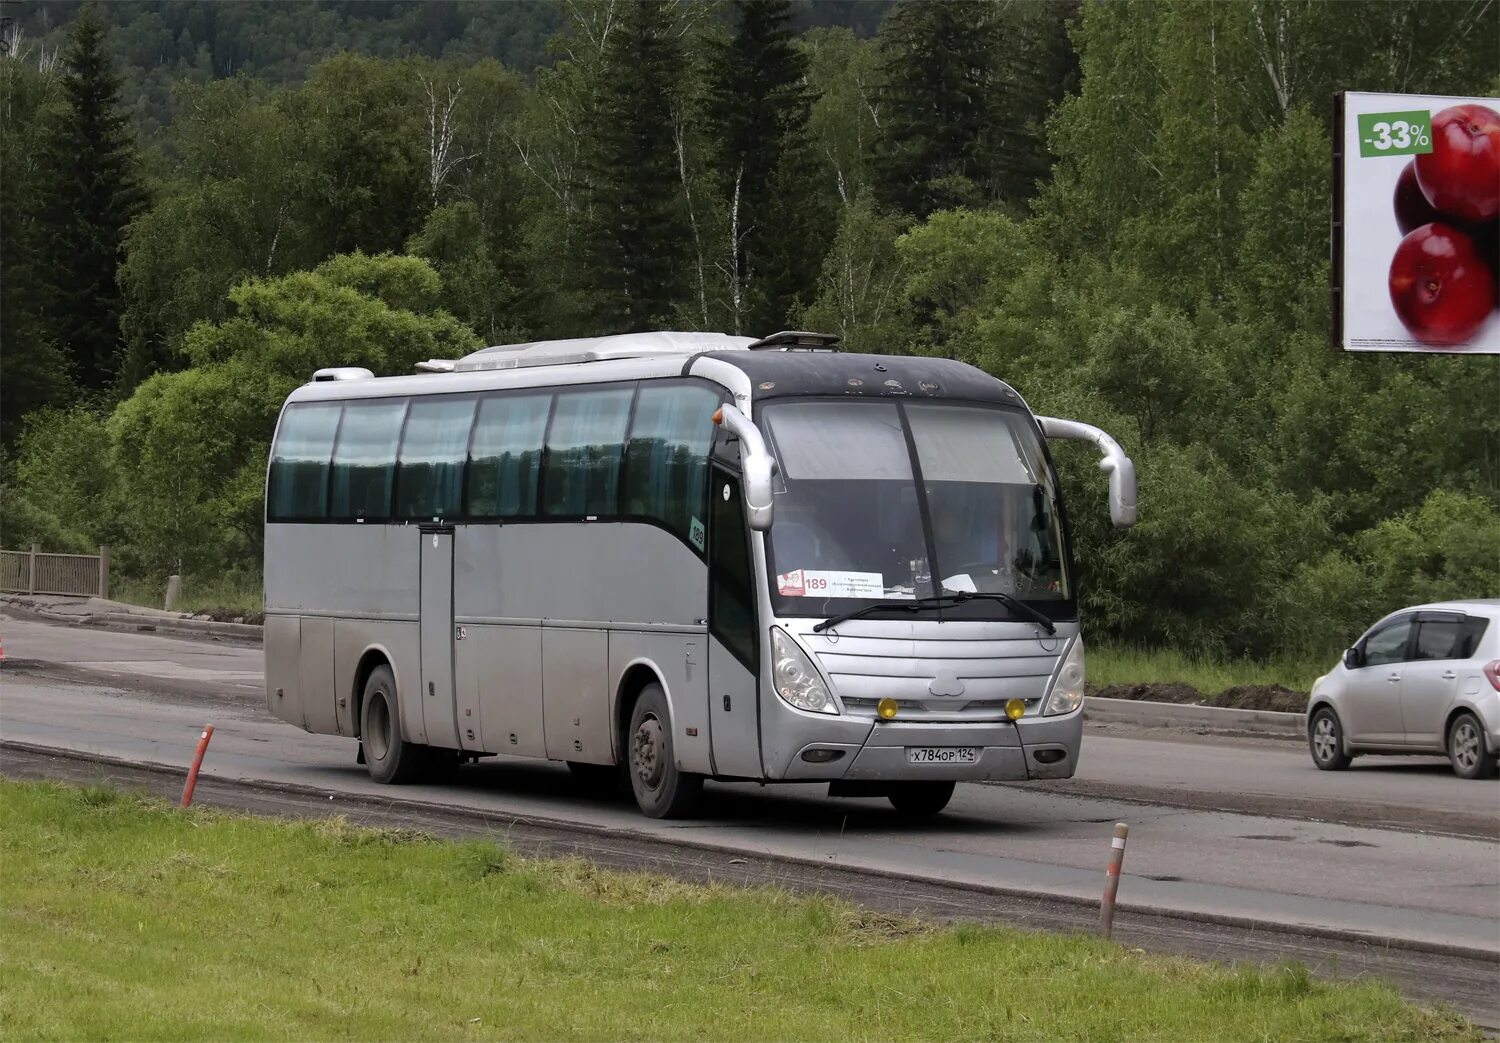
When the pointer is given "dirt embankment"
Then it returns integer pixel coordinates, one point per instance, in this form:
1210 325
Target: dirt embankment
1240 697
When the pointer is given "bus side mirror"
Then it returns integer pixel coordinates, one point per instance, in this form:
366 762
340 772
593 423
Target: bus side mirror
1112 461
758 464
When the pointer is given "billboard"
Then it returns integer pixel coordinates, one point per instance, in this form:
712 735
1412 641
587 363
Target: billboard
1416 223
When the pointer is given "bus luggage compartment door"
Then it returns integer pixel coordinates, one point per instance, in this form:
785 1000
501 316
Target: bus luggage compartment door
438 707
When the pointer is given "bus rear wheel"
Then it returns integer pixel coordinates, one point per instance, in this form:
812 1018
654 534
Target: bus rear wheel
388 757
920 799
661 790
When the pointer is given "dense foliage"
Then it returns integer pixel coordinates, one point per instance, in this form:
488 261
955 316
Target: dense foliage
1121 209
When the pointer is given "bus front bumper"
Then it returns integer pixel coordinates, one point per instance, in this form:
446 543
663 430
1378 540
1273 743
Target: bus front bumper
1031 748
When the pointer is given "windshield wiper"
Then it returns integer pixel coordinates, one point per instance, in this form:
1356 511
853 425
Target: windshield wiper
939 601
1016 604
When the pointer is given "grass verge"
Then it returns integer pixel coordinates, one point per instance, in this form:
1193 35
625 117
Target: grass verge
223 598
1118 665
125 919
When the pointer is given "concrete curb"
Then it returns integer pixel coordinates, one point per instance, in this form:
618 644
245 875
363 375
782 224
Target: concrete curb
247 631
118 617
1147 714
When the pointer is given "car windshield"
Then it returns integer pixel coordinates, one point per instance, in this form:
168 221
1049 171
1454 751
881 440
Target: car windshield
852 525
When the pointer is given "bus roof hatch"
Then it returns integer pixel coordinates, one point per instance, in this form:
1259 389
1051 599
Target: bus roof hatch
797 340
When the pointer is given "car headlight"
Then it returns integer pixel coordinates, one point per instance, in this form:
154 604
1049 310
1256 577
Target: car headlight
795 678
1067 688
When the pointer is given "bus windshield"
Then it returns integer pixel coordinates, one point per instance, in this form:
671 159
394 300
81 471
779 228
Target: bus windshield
853 525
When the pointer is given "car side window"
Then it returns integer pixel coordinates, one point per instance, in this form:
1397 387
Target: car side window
1388 644
1474 628
1439 639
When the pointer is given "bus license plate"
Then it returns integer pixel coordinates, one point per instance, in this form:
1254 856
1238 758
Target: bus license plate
942 754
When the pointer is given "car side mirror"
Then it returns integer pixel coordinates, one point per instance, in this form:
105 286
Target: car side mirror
1353 659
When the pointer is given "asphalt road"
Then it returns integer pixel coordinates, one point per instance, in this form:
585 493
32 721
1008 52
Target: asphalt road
1156 765
1237 831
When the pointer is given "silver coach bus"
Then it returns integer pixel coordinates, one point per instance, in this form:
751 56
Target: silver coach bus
681 556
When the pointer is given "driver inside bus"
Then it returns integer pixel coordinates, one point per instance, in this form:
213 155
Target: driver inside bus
974 533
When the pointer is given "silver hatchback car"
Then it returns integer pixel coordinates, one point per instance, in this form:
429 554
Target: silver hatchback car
1422 680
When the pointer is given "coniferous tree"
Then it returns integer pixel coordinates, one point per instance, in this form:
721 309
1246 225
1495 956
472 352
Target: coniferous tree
939 99
637 237
759 108
92 194
1038 66
33 372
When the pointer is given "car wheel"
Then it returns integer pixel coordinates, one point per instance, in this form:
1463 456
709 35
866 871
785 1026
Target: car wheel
388 757
661 790
920 799
1325 738
1467 749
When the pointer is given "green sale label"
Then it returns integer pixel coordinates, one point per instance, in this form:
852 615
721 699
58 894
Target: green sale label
1395 133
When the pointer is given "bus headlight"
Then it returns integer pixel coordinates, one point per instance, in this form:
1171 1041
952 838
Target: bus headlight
1067 689
795 678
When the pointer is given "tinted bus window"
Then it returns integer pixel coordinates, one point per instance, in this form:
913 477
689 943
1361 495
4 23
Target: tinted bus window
364 459
584 445
299 463
430 469
731 601
666 465
505 460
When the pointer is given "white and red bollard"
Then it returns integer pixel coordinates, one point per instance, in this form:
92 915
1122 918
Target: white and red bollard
192 776
1112 879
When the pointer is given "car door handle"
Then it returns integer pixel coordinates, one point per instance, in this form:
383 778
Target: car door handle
1394 679
1449 675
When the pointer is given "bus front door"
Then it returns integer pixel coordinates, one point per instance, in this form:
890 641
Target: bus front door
733 641
437 636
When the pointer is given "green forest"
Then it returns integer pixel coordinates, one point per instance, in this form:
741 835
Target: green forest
1120 208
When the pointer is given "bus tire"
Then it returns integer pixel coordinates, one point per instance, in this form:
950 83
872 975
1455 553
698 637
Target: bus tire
661 790
388 757
920 799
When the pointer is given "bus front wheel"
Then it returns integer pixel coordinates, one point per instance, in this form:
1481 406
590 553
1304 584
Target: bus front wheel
920 799
661 790
388 757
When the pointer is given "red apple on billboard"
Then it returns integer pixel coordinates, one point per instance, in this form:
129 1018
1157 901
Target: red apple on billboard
1412 208
1461 175
1440 286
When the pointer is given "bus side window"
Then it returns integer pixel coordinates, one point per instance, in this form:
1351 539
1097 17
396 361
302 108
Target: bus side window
430 466
584 446
299 463
364 459
731 606
666 460
505 457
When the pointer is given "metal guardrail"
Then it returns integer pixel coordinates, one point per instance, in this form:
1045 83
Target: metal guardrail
33 572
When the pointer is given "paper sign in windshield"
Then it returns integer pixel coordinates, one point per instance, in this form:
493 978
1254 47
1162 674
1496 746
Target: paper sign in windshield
811 583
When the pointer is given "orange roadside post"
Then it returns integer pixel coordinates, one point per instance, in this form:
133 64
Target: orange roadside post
192 776
1112 879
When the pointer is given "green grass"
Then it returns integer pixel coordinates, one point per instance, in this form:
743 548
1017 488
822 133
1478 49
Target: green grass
1124 665
122 918
198 594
